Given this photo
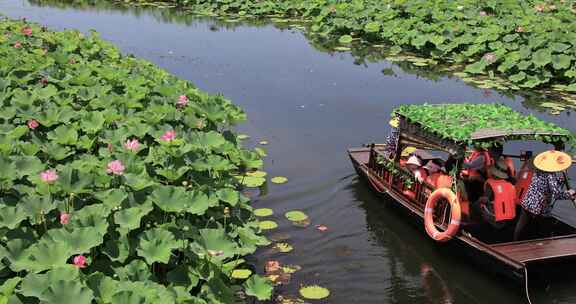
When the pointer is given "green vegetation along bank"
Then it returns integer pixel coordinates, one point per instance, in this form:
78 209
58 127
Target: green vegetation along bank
530 43
118 181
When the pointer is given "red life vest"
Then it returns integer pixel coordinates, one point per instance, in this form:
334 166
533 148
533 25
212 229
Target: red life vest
440 180
510 164
504 199
523 181
473 173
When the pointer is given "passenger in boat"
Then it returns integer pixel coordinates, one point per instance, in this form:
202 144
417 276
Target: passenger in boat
414 164
437 176
545 188
498 203
476 168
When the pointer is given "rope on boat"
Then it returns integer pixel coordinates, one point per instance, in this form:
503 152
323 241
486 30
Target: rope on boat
526 284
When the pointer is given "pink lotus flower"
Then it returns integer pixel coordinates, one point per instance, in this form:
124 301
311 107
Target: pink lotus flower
17 45
115 167
64 218
32 124
321 228
132 145
27 31
49 176
182 100
489 57
168 136
80 261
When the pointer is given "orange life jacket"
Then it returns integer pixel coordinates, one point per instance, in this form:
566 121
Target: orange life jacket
440 180
510 164
523 181
504 199
473 173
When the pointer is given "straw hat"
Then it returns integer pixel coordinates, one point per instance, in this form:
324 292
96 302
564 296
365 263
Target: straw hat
407 151
499 170
414 160
552 161
394 122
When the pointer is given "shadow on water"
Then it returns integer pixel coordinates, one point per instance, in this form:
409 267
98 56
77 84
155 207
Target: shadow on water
311 103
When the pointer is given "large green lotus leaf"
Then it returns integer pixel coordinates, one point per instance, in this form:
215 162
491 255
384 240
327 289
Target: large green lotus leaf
34 285
251 160
15 251
129 219
258 287
128 297
120 249
67 292
561 61
74 181
184 296
542 57
217 292
56 151
183 276
79 240
216 240
207 140
8 171
46 255
93 216
250 240
138 181
137 270
65 135
11 216
229 196
7 289
112 197
154 293
35 205
92 122
172 173
171 199
45 92
28 165
156 245
104 287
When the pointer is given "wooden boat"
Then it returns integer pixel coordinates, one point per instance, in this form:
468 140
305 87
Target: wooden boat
550 241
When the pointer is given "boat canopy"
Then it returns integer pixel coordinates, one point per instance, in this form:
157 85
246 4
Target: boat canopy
453 127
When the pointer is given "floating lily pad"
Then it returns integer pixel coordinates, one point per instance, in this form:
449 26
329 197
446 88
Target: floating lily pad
257 174
263 142
291 268
283 247
241 274
242 136
279 236
268 225
346 39
288 300
262 212
296 216
279 180
342 48
314 292
251 181
303 224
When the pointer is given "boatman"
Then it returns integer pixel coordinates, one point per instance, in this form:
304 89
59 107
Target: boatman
545 188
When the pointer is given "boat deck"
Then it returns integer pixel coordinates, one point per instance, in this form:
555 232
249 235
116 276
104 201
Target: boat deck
538 250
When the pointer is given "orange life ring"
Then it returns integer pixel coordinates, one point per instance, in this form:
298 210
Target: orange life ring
455 215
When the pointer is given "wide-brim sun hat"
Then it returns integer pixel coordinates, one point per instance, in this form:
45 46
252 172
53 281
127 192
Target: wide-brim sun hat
394 122
414 160
552 161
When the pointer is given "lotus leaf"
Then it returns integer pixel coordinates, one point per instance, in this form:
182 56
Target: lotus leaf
263 212
296 216
314 292
67 292
258 287
156 245
241 274
279 180
268 225
217 241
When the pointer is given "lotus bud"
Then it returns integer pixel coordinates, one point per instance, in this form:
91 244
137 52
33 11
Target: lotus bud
184 183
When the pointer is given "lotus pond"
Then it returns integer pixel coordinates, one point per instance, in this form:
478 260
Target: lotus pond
306 103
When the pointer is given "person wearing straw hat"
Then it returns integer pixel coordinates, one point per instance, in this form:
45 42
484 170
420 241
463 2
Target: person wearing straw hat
545 188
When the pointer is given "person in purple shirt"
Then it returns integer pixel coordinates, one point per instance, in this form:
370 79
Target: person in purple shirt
545 188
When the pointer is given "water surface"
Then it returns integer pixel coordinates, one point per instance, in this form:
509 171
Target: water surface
311 106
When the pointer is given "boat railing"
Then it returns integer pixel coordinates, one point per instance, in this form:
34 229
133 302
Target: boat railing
398 178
